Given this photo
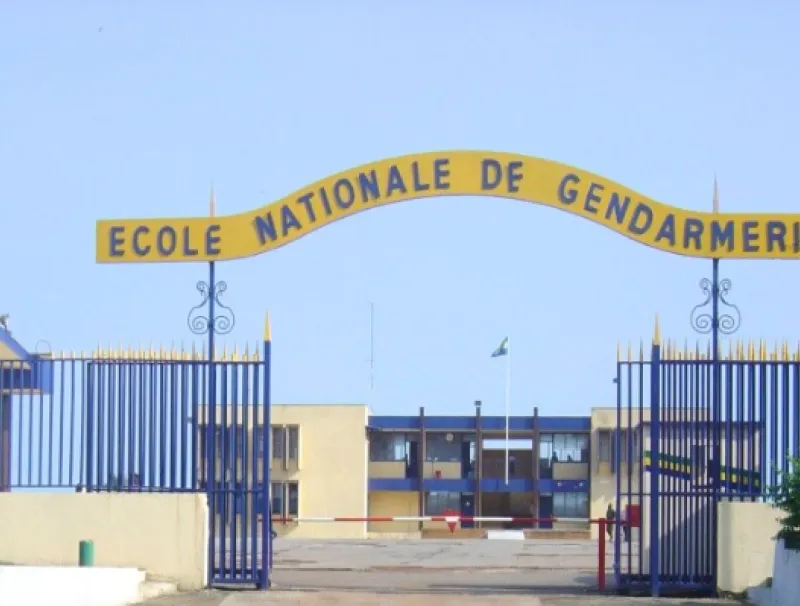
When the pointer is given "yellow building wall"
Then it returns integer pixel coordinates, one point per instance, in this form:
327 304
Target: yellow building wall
333 455
387 469
570 471
448 470
604 482
384 503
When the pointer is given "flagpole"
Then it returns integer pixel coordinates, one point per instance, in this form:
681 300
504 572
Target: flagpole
508 399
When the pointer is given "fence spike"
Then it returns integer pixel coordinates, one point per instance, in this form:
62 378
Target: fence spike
618 352
657 333
256 354
235 353
641 350
630 352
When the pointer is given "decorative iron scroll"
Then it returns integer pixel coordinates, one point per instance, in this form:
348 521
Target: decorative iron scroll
200 320
729 317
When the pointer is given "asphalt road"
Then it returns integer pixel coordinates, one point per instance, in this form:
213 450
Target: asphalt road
430 572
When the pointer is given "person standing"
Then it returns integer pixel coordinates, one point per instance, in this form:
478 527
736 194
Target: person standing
611 515
626 529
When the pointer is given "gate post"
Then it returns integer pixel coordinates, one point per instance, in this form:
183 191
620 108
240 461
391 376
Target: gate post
655 460
266 462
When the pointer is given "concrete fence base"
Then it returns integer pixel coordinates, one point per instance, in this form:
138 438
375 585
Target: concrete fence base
165 535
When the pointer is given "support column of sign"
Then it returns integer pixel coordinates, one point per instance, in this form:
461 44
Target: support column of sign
211 317
715 323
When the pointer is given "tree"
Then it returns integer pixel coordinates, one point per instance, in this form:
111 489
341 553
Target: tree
786 497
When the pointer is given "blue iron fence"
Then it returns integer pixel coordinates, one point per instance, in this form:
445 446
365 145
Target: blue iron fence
697 431
148 422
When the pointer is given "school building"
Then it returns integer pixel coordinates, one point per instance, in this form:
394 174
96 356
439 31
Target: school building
341 461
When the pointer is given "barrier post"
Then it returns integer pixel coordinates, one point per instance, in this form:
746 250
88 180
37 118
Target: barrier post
601 555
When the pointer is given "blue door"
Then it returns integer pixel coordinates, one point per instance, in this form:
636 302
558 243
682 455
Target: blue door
467 508
546 510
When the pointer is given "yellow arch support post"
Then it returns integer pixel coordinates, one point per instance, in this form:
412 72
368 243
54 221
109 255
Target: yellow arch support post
692 233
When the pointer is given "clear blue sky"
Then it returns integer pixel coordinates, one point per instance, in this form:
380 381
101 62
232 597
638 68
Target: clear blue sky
131 109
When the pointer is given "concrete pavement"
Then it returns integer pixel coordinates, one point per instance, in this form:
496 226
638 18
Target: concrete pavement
431 572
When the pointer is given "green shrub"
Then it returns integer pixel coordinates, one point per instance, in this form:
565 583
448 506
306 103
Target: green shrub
786 497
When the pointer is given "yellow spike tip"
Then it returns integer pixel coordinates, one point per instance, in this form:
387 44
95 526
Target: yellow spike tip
657 333
267 329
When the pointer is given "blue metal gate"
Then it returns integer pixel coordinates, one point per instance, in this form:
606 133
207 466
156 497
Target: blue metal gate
148 421
697 429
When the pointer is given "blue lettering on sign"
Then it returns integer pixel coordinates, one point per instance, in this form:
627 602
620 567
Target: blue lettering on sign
667 230
776 236
395 182
139 249
116 241
265 228
617 207
592 200
419 185
796 236
721 236
344 194
365 186
188 251
288 220
212 240
568 195
641 219
368 184
305 200
692 232
166 241
492 175
750 236
441 171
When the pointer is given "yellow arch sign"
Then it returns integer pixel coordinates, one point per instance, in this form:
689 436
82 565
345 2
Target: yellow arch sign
451 173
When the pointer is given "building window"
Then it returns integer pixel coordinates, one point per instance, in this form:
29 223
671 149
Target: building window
293 438
278 444
259 439
564 447
387 447
439 448
285 497
571 505
293 499
604 446
285 443
276 496
436 503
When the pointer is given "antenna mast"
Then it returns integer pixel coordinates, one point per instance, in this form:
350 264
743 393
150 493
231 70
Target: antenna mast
371 347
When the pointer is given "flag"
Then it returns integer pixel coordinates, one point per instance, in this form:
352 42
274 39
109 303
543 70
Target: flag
502 350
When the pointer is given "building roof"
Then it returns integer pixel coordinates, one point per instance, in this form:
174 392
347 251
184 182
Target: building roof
10 349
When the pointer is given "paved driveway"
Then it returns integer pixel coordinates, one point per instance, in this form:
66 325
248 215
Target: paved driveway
431 572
